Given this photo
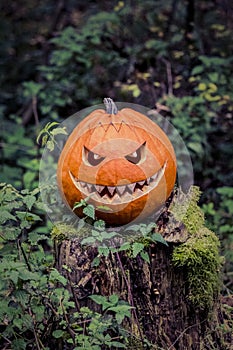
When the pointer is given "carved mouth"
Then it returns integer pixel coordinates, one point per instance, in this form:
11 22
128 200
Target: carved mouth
120 194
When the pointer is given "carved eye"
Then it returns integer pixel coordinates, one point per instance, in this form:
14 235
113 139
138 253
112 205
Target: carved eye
91 158
138 155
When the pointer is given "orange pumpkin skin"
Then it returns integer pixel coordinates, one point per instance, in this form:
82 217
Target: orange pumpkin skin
123 162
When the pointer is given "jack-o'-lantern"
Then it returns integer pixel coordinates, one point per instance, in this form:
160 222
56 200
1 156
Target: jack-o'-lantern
121 160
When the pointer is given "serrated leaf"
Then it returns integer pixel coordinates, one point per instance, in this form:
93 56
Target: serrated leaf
56 276
119 318
35 237
29 200
5 216
89 210
103 251
124 246
113 299
137 248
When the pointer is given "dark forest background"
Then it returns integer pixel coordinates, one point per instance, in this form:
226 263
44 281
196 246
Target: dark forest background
58 57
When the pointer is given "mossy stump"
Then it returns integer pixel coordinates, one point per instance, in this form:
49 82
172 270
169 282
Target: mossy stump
175 296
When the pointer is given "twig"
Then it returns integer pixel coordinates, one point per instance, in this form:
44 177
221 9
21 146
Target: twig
24 255
169 75
73 293
34 109
70 330
182 333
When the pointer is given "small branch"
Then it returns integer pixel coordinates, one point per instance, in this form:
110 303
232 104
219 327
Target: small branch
73 292
70 330
24 255
169 76
182 333
35 112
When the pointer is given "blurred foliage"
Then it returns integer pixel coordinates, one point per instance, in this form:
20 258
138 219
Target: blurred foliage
57 57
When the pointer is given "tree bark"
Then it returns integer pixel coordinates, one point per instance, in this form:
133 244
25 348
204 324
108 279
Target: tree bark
159 291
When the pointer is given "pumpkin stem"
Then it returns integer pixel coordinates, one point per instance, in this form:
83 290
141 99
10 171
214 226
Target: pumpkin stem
110 106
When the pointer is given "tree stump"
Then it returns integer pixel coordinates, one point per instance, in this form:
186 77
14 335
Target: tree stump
174 295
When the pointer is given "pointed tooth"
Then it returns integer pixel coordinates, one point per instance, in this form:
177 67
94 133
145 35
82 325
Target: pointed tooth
99 188
154 177
131 187
127 196
89 187
117 198
121 189
96 196
111 189
105 198
83 184
141 183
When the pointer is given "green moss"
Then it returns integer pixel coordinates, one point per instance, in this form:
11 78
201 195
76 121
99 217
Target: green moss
199 255
62 231
185 209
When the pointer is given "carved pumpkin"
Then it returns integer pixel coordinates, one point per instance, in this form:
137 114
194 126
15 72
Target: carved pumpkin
121 160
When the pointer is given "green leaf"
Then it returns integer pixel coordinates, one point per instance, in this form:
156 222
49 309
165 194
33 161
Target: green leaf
225 191
145 256
113 299
89 210
56 276
124 246
196 147
117 344
5 216
29 200
59 131
50 145
226 229
120 318
98 299
58 333
197 70
95 262
88 240
28 178
103 251
137 248
18 344
157 237
80 204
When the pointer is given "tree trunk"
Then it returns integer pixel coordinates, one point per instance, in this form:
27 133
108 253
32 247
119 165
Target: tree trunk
167 308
